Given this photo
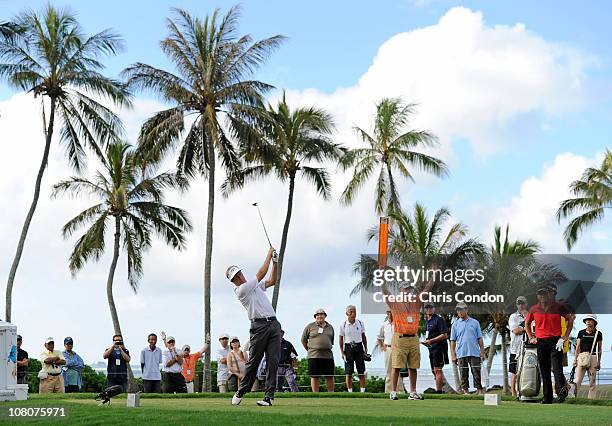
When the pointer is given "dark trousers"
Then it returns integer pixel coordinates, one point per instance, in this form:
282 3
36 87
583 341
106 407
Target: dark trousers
22 380
71 388
174 382
121 380
549 356
474 364
265 338
152 386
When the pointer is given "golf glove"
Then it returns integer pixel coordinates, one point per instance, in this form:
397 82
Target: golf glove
559 345
274 256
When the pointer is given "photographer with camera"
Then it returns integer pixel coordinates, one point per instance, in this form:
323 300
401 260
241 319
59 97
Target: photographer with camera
353 348
118 358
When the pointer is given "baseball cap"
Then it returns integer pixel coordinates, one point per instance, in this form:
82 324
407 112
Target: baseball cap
186 347
49 340
19 337
460 306
223 336
170 339
234 338
543 289
552 287
232 271
320 311
68 340
521 299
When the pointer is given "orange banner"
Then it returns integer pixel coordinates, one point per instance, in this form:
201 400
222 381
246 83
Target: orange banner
383 241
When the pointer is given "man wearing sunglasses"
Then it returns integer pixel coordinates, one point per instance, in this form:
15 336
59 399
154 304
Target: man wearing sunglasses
516 323
189 363
118 358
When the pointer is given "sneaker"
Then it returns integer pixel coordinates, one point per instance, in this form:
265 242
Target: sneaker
236 400
266 402
415 396
393 396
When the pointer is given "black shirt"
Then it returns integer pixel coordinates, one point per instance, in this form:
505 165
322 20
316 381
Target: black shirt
285 354
586 340
436 326
21 371
113 369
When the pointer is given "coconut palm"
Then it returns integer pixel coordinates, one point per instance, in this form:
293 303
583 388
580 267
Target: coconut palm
282 144
510 269
130 200
416 240
50 57
212 81
592 196
390 148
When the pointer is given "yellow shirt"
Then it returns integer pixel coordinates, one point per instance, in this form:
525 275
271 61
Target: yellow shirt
48 368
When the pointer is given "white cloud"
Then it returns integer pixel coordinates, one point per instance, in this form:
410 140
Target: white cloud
471 81
531 214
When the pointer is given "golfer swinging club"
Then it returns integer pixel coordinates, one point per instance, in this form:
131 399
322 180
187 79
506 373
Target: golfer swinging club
265 329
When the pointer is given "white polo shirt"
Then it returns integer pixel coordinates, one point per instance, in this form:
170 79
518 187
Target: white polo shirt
252 295
352 332
386 333
174 368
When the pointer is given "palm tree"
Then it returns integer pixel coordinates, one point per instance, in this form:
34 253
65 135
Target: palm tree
592 196
130 199
213 67
49 56
510 267
283 141
417 241
389 148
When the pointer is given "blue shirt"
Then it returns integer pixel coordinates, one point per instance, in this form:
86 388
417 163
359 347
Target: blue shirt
466 333
73 368
150 360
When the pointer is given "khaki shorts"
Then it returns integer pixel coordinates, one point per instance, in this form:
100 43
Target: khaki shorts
405 352
52 384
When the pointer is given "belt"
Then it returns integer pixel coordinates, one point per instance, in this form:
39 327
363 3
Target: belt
190 381
407 335
549 338
54 374
388 346
266 319
353 344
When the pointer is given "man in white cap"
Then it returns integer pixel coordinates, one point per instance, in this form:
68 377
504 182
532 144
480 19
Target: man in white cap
222 372
50 375
172 366
516 323
318 340
265 329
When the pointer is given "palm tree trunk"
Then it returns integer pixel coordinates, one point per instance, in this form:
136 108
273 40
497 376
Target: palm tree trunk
28 220
111 299
281 255
206 382
491 350
505 363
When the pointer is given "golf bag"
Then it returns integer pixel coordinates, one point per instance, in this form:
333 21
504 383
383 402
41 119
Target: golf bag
528 377
105 396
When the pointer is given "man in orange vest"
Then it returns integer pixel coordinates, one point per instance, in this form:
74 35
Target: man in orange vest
405 350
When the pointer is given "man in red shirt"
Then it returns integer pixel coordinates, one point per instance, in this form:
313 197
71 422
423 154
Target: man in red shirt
547 315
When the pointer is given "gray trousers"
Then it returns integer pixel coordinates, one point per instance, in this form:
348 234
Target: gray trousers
474 364
265 339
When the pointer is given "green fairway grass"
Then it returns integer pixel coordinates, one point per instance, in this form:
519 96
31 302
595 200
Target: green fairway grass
198 409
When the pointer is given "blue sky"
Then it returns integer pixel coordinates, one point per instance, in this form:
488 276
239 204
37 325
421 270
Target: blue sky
502 165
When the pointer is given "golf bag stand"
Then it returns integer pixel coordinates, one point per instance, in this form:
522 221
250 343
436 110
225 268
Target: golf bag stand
528 378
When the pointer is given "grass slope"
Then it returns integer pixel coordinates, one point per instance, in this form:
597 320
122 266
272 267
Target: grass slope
314 411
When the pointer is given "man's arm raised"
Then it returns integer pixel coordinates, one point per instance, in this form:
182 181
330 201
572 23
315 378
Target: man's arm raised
273 276
266 265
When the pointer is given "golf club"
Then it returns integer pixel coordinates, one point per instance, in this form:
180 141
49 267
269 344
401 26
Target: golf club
262 223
